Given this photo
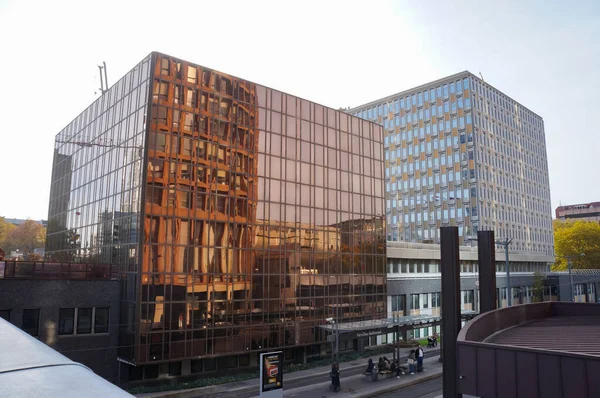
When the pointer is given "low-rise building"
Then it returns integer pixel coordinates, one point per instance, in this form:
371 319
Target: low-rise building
73 308
579 212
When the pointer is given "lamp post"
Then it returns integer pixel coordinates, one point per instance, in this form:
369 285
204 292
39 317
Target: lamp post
505 243
335 331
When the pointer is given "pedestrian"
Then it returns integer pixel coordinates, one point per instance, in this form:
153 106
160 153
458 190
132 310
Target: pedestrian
411 362
396 368
335 377
420 355
435 339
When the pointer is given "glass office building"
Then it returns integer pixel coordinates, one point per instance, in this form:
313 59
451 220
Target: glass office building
460 152
240 217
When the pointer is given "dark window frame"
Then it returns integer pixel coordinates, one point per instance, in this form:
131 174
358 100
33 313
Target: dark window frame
5 314
93 327
61 325
31 330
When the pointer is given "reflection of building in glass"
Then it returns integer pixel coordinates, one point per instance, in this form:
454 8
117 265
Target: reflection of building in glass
58 236
262 214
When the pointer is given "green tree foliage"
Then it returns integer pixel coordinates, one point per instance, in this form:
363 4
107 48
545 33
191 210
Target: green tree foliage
538 287
25 237
571 239
5 229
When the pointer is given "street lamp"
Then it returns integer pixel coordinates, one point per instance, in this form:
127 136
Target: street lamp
336 330
505 243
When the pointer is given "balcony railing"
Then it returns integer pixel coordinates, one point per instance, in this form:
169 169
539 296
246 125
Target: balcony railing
51 271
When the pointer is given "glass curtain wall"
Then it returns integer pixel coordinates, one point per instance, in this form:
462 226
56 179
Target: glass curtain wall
95 194
263 217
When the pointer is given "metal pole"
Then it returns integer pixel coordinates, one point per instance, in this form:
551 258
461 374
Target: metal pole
508 287
105 76
337 339
451 320
101 80
570 280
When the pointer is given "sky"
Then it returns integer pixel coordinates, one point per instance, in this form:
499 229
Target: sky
543 54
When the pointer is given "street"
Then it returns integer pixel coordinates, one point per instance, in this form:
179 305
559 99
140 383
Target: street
428 389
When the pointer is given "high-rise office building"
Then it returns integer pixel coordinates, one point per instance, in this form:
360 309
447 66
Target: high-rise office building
240 217
460 152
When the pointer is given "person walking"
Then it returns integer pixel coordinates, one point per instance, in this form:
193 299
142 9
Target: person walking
420 356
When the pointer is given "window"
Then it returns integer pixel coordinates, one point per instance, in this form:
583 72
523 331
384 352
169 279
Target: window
84 321
414 302
101 320
31 321
398 303
5 314
88 321
66 320
435 300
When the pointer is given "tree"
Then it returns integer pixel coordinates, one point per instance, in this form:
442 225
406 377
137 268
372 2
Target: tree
571 239
26 237
5 228
538 287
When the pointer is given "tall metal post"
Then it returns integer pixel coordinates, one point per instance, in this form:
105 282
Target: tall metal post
105 76
508 287
570 279
337 339
486 256
450 267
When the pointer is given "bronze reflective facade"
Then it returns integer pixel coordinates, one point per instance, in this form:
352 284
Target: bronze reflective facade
262 215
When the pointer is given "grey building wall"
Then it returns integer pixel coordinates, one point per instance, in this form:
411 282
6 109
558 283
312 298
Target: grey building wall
410 286
98 352
561 281
433 285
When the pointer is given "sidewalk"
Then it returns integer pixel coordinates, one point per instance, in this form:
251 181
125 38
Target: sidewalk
350 371
360 386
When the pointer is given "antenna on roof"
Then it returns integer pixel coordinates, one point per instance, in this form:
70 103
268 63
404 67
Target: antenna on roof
481 76
103 79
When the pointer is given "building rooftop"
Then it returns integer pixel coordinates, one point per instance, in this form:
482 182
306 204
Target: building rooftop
561 327
29 368
377 324
575 334
533 350
64 271
579 206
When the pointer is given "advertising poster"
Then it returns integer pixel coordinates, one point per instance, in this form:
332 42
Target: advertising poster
271 374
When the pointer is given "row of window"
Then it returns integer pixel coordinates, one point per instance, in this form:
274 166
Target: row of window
416 99
71 321
402 266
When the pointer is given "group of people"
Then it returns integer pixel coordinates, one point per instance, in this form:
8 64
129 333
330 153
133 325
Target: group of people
432 341
414 361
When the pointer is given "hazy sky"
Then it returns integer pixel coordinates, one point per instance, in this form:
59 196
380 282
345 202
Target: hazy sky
544 54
